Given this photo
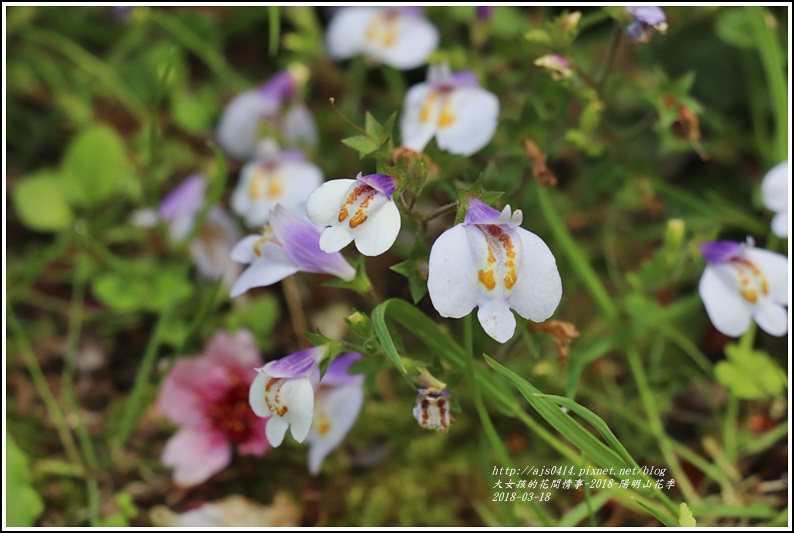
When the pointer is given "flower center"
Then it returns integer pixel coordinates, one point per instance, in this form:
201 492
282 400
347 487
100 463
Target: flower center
384 29
502 260
273 398
361 201
446 117
231 414
752 280
265 182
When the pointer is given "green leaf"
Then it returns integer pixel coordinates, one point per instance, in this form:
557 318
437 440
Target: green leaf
733 27
415 269
193 112
40 202
23 503
94 165
749 374
363 144
146 286
274 23
685 516
360 283
664 519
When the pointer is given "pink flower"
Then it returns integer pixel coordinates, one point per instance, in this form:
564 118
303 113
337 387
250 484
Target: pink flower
207 397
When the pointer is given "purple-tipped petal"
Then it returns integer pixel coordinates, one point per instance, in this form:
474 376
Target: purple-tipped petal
185 200
411 11
648 15
484 12
279 88
383 183
720 251
293 155
465 78
479 212
298 365
300 240
337 373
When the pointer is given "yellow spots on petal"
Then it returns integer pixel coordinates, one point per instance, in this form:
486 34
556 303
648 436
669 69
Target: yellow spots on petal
321 424
275 187
358 219
446 117
273 401
255 185
383 30
510 278
352 197
264 182
486 277
750 295
491 256
427 107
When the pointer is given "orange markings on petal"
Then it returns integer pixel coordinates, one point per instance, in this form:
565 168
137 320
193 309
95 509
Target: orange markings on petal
275 188
446 117
358 219
486 277
510 278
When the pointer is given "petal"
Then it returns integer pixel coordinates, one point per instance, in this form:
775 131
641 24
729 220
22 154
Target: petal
496 319
196 455
212 249
180 398
478 212
771 317
452 273
538 287
237 131
297 365
257 444
475 113
323 204
715 252
780 224
774 187
728 311
271 268
335 238
299 126
256 395
336 375
299 181
415 132
775 269
379 231
336 411
345 34
383 183
417 39
236 351
299 397
275 430
186 200
243 251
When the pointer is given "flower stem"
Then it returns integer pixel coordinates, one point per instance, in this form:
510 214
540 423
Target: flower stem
614 45
292 296
490 431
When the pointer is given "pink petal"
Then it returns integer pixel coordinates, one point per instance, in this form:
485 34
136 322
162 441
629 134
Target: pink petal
196 455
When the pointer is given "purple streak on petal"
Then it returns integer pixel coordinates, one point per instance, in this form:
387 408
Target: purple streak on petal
185 200
484 12
636 32
648 15
480 213
465 78
720 251
411 11
279 88
298 365
300 240
424 392
383 183
337 373
293 155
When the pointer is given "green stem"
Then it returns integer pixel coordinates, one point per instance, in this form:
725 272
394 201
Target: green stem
772 59
42 387
490 431
577 257
657 427
614 45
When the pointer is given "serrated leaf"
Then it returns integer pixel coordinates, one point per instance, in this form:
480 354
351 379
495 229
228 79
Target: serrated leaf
94 165
40 202
363 144
23 503
749 374
415 269
685 516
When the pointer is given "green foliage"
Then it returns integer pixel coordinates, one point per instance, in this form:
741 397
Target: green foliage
685 516
259 316
40 203
749 374
144 286
415 269
23 503
94 165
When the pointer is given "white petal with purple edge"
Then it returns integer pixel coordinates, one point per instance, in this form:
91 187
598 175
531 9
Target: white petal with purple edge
336 411
475 112
496 319
256 395
345 34
538 288
728 311
297 365
379 231
452 273
271 268
299 397
275 430
771 318
774 267
322 206
196 455
415 132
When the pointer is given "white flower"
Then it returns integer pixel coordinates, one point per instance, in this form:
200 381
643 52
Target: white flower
742 283
396 36
284 391
774 191
361 209
490 262
289 244
432 409
275 177
452 107
339 399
